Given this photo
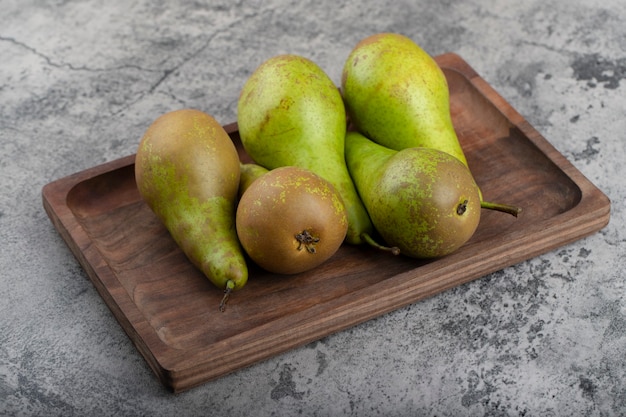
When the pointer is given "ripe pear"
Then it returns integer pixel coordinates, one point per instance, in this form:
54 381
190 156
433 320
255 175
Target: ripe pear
397 95
187 171
421 200
291 220
290 113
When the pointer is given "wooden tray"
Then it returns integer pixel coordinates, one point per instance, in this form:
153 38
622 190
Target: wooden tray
170 311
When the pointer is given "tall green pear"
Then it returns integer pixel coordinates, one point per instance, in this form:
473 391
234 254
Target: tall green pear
187 171
397 95
421 200
291 113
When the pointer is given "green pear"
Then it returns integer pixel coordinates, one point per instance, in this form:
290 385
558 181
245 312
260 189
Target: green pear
187 171
397 95
290 113
421 200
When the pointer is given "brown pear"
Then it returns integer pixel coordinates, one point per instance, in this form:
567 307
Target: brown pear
187 171
291 220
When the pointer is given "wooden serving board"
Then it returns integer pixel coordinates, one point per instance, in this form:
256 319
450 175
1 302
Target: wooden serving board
170 310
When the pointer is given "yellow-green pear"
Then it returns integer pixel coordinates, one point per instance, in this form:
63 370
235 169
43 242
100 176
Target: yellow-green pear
187 171
290 113
397 95
421 200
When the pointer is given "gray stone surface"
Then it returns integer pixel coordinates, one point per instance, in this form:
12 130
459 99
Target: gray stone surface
80 81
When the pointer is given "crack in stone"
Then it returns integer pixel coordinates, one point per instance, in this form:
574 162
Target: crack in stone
158 82
165 73
168 72
550 48
164 76
68 65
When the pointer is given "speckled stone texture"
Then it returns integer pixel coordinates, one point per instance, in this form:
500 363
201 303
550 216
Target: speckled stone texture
81 80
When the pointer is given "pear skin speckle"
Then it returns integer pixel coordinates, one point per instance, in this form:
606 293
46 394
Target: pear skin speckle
187 171
413 196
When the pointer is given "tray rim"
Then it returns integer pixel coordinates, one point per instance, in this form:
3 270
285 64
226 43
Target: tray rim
179 370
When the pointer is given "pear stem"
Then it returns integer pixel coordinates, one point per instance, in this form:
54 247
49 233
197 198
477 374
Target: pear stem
230 285
370 241
505 208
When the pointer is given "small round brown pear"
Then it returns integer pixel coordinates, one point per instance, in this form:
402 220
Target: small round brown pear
291 220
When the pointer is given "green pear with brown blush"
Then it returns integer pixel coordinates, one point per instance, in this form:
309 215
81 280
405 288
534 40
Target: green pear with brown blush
187 171
291 220
421 200
290 113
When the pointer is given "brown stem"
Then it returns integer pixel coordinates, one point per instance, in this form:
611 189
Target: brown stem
513 210
370 241
230 285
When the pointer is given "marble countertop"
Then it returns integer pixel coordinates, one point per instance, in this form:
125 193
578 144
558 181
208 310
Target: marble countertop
80 82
